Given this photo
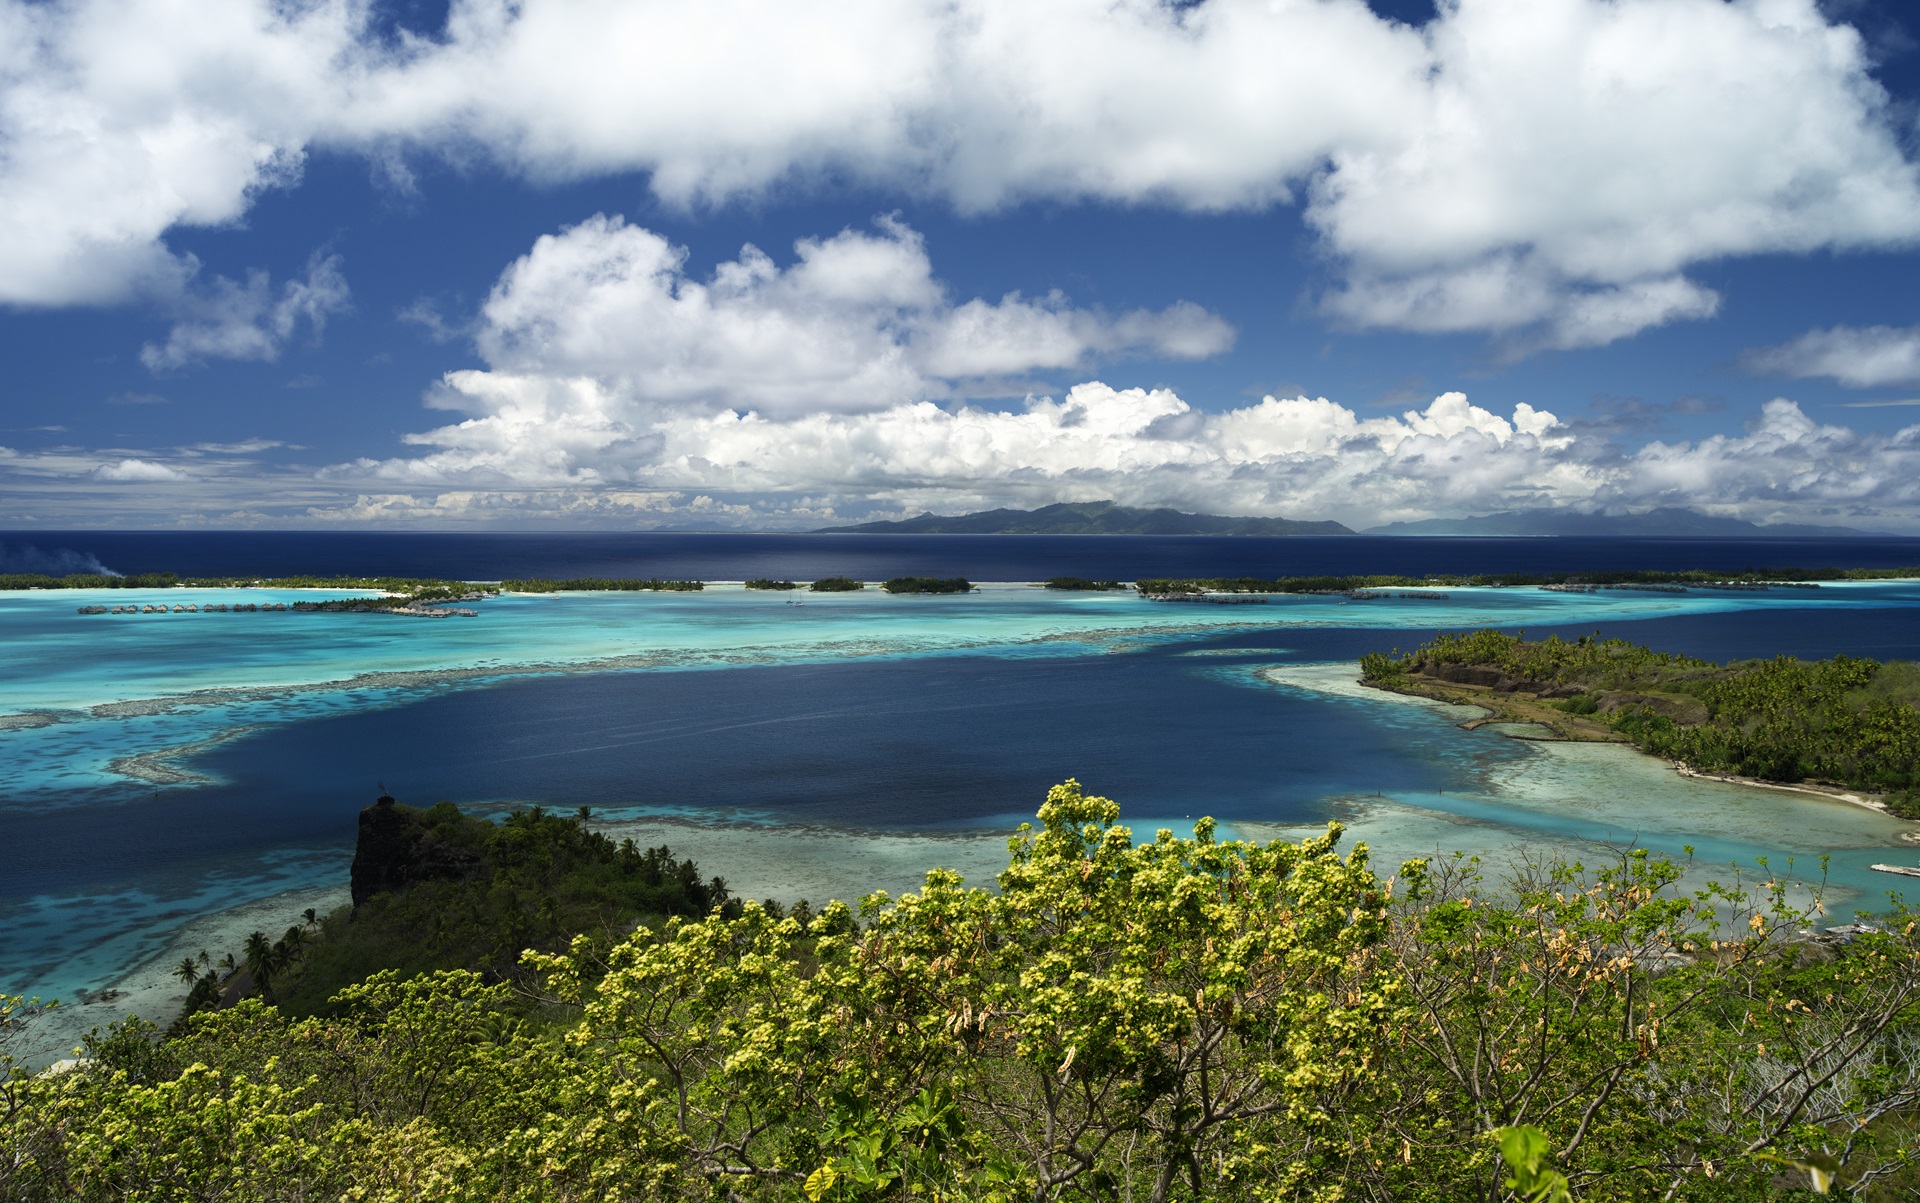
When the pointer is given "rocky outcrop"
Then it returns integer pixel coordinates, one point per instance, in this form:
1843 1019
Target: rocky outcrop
1482 675
1680 710
397 848
1463 674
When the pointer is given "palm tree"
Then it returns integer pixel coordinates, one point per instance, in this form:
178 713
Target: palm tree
188 970
260 959
312 916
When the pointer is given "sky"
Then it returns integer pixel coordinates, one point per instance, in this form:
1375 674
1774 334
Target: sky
777 264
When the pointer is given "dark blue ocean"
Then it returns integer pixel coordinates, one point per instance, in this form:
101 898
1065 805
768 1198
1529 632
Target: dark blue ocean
877 557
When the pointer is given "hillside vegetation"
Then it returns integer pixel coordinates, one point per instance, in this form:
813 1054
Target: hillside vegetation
1845 721
1164 1019
465 893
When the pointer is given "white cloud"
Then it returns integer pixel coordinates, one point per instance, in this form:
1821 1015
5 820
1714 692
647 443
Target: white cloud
1547 170
1298 455
138 470
1573 158
1857 356
839 383
228 320
857 321
467 507
244 447
1786 460
537 453
125 118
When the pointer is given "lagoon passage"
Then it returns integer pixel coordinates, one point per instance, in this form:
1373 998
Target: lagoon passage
168 780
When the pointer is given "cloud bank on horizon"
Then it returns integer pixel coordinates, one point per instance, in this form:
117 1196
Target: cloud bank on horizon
1547 175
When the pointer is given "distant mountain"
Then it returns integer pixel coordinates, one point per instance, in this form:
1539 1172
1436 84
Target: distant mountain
1667 521
1092 518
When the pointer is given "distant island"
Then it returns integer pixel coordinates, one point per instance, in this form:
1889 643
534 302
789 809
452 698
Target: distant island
1670 520
1112 518
1089 518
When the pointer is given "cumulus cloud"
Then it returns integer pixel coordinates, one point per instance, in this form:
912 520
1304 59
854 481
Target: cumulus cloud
229 320
467 507
847 380
138 470
572 453
529 435
1786 460
125 118
857 321
1856 356
1573 158
1547 170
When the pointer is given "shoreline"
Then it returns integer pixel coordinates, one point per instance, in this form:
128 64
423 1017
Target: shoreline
1575 795
1569 728
1347 684
149 990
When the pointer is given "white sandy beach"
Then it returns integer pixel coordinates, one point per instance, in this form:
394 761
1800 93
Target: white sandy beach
150 990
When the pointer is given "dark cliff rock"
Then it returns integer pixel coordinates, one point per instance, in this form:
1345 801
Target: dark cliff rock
1680 710
1463 674
399 847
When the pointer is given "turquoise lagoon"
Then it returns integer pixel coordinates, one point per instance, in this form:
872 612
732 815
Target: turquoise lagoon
172 781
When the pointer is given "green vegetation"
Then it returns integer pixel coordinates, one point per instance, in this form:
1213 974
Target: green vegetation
1683 578
837 584
1173 1019
1851 722
761 582
1082 585
533 880
928 584
595 584
36 580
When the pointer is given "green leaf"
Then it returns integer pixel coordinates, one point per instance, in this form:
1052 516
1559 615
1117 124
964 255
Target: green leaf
1526 1149
821 1181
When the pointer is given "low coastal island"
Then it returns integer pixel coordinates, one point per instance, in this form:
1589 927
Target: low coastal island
1840 724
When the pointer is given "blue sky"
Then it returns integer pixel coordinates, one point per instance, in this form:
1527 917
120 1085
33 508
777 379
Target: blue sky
340 264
